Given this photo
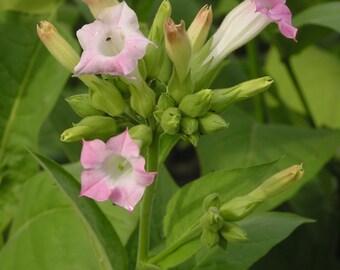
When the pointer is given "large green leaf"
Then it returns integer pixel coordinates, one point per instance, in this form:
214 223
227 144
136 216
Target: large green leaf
264 231
247 142
31 81
326 14
317 72
111 251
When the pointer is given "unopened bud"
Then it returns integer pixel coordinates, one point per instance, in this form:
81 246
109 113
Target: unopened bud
165 102
189 125
179 88
171 119
210 238
239 207
196 105
142 100
211 220
92 127
212 200
211 123
81 105
106 97
96 6
278 183
199 28
193 138
233 233
178 47
141 133
222 99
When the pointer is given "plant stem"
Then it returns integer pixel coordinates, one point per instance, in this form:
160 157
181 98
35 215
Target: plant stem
145 212
175 245
299 92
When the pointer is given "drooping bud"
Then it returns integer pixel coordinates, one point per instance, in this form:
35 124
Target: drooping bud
278 183
199 28
222 99
92 127
106 97
142 99
211 123
96 6
141 133
210 238
196 105
154 55
212 200
239 207
171 119
233 233
189 125
211 220
61 49
193 138
178 47
82 106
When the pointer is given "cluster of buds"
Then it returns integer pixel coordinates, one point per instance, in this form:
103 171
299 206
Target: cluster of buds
219 221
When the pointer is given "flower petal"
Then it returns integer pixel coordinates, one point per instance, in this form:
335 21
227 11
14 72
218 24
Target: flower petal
92 153
123 145
94 186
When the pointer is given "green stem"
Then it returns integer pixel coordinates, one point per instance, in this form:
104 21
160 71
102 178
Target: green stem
299 92
175 245
145 212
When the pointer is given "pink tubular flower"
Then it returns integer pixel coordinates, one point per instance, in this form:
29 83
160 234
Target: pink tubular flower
277 11
112 44
114 170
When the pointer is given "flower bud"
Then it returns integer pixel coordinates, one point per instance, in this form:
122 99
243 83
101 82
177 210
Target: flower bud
233 233
142 100
96 6
211 123
193 139
92 127
197 104
210 238
165 102
199 28
212 200
224 98
239 207
178 47
189 125
106 97
82 106
141 133
278 183
211 220
61 49
171 119
154 55
178 88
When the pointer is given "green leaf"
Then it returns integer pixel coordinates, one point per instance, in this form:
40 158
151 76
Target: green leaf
185 207
247 143
326 14
33 6
166 143
264 230
317 73
111 250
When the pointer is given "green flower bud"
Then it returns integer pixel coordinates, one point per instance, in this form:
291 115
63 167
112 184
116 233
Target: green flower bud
233 233
141 133
211 220
209 238
92 127
278 183
154 56
158 115
189 125
193 139
165 102
178 88
199 28
142 100
82 106
239 207
106 97
222 99
178 47
171 120
212 200
211 123
197 104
